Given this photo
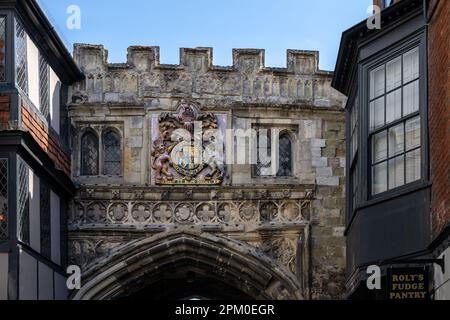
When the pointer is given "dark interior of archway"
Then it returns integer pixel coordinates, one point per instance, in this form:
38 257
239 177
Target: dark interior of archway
187 285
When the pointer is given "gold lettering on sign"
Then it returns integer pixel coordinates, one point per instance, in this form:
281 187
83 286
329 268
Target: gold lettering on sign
408 286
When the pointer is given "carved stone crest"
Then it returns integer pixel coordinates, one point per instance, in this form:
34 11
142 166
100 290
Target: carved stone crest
189 149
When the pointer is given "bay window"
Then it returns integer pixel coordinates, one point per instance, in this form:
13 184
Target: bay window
395 122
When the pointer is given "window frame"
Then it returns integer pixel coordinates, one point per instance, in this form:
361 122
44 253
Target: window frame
25 90
353 160
44 96
103 153
392 52
285 133
81 163
9 49
270 134
276 132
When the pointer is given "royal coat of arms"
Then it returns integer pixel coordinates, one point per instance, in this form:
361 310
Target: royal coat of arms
189 149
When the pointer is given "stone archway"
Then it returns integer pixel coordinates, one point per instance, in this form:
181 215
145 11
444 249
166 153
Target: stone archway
179 258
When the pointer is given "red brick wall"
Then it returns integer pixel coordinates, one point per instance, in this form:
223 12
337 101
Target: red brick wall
48 142
4 111
439 112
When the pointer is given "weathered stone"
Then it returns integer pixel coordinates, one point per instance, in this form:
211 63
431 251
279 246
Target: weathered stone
289 227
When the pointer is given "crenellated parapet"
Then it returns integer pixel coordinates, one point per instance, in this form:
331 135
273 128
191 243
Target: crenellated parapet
248 80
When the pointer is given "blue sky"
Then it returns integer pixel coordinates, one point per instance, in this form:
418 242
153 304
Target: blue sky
222 24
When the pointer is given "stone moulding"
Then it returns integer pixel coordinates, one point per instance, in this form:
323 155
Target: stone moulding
231 261
230 214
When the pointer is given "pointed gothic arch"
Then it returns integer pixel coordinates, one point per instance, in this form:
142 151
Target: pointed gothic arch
228 264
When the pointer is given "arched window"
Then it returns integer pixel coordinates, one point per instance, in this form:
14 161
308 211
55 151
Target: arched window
89 154
285 156
112 154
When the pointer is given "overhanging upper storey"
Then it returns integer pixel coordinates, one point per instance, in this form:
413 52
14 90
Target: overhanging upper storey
355 37
27 15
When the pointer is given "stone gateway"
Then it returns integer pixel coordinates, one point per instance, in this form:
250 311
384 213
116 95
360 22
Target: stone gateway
200 181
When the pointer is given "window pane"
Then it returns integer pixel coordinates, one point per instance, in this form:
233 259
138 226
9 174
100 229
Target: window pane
112 154
44 87
377 82
394 74
285 157
354 143
411 65
379 178
394 106
377 113
412 128
23 219
2 48
396 172
21 58
411 98
379 144
89 155
264 156
396 140
413 170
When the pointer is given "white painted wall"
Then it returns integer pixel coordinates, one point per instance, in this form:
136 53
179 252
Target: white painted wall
61 291
55 212
45 282
35 214
4 269
28 277
55 90
442 280
33 72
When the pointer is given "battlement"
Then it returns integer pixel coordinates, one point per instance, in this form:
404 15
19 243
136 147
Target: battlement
144 58
248 79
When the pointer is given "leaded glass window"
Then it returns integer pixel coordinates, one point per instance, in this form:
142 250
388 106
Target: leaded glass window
394 118
285 156
4 199
2 48
21 57
89 154
45 220
264 153
23 220
44 87
112 153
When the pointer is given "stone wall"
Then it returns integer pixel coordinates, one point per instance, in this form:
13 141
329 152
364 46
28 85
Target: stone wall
297 221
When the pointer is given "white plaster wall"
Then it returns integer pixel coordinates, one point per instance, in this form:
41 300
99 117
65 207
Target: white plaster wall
4 269
55 89
35 216
55 224
28 277
61 291
45 282
33 72
442 280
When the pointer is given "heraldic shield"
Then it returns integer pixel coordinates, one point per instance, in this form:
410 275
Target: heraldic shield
189 149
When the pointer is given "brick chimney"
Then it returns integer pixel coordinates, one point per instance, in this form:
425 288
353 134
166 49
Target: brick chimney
380 3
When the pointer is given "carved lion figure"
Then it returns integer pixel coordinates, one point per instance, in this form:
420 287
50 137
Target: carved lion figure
161 161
